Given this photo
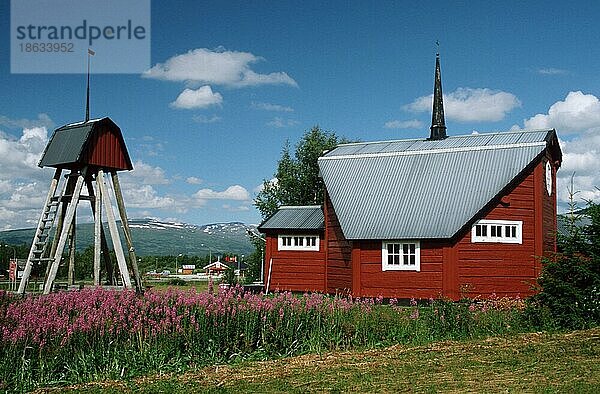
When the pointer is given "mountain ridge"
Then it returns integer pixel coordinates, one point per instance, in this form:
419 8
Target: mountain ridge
162 238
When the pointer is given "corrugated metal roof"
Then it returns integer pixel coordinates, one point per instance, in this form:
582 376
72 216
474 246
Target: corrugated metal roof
471 141
563 224
297 218
70 145
424 189
66 145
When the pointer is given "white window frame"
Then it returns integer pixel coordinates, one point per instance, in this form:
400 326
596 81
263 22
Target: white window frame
515 226
404 259
300 242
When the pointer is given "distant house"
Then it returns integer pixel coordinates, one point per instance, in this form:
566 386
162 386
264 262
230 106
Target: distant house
188 269
467 215
215 268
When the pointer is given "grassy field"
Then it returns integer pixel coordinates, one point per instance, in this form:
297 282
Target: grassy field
165 285
537 362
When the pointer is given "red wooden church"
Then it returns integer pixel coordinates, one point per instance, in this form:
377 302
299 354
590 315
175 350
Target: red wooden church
467 215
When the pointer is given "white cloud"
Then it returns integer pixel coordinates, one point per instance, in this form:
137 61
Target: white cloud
220 67
580 162
23 185
259 188
149 146
200 98
238 208
192 180
578 115
551 71
43 120
144 173
271 107
235 192
206 119
470 105
22 156
403 124
577 112
146 197
279 123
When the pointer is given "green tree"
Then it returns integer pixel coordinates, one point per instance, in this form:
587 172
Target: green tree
570 280
296 180
255 260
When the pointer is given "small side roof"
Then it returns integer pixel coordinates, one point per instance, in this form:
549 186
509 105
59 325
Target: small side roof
418 189
295 218
563 224
74 145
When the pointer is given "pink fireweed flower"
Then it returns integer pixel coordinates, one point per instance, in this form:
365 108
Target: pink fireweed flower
415 314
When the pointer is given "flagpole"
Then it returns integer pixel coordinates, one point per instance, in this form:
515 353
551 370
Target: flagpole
87 102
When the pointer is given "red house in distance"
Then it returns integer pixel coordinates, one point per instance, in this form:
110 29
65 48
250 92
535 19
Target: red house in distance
447 216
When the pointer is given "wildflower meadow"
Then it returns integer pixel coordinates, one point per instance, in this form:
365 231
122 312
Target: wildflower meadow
96 334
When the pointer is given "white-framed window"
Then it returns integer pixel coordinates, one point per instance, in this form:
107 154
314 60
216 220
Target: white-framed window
500 231
401 255
298 242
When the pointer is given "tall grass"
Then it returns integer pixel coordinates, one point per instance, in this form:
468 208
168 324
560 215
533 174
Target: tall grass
93 334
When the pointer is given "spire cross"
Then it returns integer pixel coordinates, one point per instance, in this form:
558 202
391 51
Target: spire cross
438 124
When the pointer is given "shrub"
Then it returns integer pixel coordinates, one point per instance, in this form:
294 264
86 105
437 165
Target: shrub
229 277
569 294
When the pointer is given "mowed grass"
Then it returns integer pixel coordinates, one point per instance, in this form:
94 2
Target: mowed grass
535 362
164 284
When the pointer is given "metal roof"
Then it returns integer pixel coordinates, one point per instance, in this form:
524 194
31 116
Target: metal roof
470 141
295 218
421 188
70 143
66 145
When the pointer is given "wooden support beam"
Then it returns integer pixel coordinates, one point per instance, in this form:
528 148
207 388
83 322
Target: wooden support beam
97 208
108 266
128 239
71 210
29 264
114 231
72 246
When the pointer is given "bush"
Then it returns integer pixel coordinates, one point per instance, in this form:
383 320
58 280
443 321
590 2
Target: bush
569 294
229 277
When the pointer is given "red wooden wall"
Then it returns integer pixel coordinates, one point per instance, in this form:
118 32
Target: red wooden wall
106 150
500 268
294 270
338 255
549 209
399 284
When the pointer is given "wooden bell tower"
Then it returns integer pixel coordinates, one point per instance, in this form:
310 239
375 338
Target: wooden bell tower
90 151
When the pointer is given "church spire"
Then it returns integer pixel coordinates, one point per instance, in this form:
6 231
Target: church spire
438 124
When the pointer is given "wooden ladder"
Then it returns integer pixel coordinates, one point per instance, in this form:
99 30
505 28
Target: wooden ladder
42 232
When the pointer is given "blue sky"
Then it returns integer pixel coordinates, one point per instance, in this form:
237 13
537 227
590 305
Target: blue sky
202 139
